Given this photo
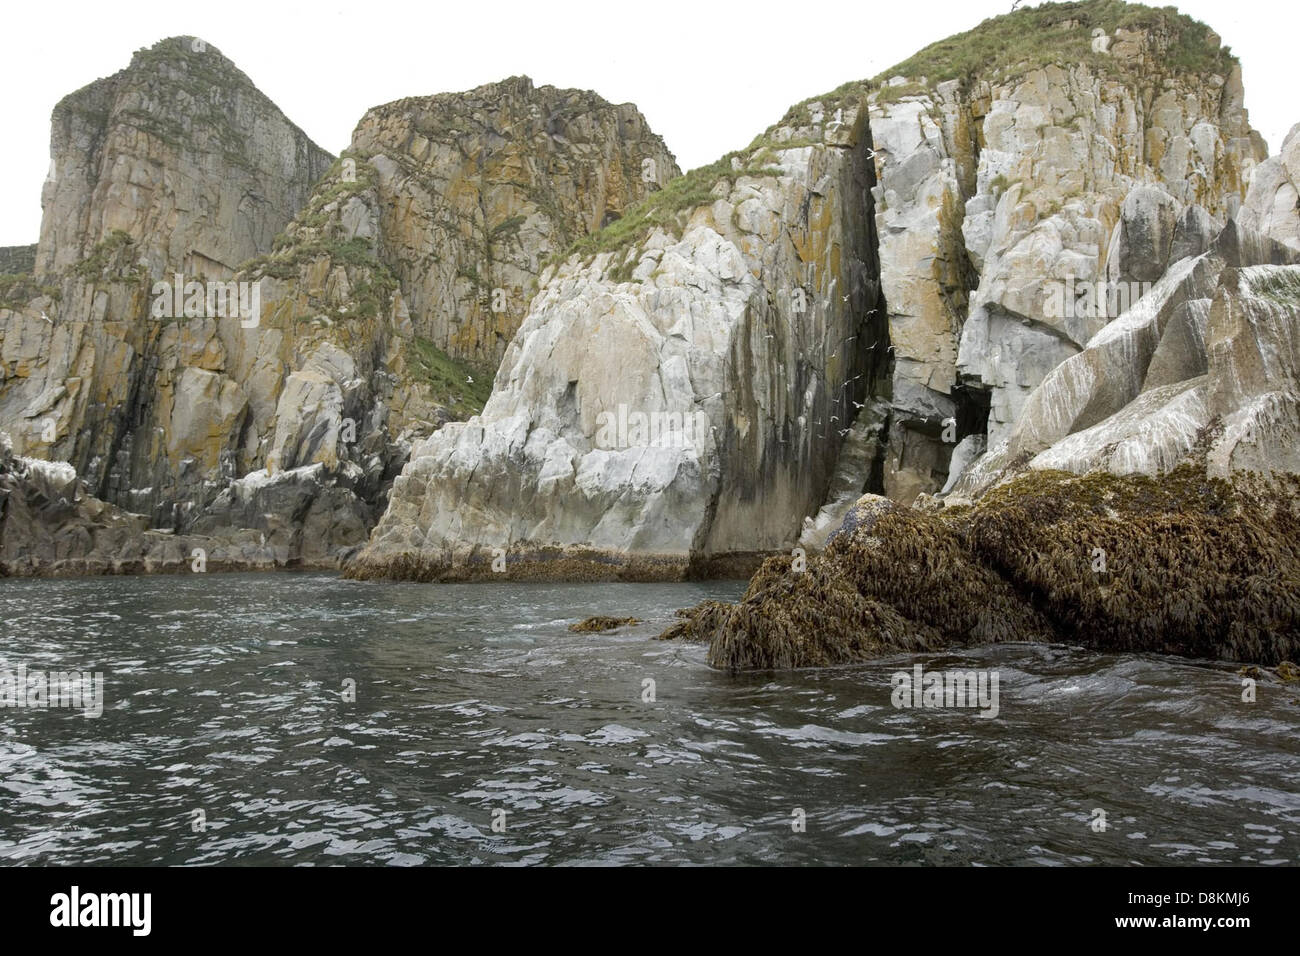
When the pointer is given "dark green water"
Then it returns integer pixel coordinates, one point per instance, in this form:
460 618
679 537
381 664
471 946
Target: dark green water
224 694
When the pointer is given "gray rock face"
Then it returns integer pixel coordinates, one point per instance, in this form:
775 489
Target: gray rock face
17 260
1004 201
861 451
293 424
1200 369
477 190
1272 204
888 281
741 343
180 152
1017 217
50 524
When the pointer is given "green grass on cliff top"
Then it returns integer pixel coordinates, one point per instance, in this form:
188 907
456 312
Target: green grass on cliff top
668 207
1035 37
999 47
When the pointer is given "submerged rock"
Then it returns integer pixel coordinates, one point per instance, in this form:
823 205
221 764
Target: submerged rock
601 623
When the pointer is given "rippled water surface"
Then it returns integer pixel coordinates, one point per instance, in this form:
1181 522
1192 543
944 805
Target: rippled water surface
224 693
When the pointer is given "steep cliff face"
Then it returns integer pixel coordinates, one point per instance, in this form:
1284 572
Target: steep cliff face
287 417
177 165
681 386
403 278
1008 192
478 190
1051 242
1272 205
179 151
1140 487
1072 146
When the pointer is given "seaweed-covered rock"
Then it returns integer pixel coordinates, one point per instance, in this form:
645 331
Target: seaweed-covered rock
1189 565
600 622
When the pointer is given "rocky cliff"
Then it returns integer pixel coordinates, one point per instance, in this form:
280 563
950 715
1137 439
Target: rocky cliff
830 342
17 260
679 392
286 407
477 191
180 152
1053 242
1099 145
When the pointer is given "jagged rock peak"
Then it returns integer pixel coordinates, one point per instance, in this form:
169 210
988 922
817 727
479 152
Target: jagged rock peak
464 197
183 154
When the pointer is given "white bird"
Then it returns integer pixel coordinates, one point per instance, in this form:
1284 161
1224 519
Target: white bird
859 405
843 432
469 379
835 418
46 317
844 298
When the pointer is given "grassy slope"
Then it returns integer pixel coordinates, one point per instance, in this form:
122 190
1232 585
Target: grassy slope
998 47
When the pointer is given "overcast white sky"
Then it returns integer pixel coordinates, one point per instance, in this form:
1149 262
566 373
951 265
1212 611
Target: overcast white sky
707 75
